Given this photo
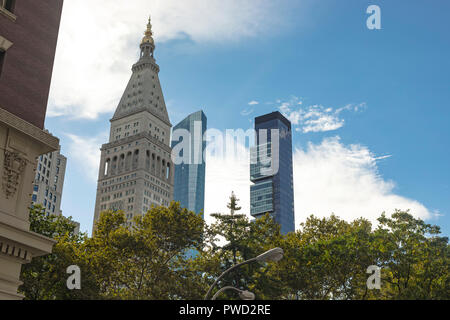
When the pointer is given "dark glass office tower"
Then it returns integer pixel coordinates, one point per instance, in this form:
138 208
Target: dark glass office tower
189 183
271 171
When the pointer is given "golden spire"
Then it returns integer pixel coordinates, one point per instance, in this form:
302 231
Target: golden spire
148 33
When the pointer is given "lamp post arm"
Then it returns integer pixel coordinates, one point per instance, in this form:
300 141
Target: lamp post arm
224 273
225 289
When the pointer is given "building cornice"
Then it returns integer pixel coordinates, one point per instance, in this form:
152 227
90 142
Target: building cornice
141 109
21 244
28 129
146 63
135 137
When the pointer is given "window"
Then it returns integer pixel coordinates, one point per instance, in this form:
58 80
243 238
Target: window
34 198
9 5
2 60
36 188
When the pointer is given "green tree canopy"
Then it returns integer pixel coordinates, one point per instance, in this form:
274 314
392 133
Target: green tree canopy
327 258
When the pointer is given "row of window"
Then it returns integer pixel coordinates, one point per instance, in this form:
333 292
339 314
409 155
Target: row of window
49 156
130 162
156 189
46 171
42 178
122 147
165 154
135 132
158 183
119 179
118 187
47 204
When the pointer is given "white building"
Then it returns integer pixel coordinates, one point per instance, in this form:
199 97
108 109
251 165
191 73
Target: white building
49 182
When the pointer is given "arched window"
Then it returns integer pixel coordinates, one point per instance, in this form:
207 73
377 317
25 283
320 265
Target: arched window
168 171
147 160
163 168
107 164
136 159
128 161
158 166
114 165
122 162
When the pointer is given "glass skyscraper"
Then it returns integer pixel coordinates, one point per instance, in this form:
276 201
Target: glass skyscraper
271 171
188 146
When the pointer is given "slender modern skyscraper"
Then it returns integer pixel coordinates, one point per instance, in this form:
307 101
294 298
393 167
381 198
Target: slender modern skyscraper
189 181
271 171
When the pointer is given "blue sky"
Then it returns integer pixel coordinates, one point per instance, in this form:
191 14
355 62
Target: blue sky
370 107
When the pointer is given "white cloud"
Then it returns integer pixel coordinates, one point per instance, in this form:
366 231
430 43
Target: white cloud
85 154
99 43
253 103
329 177
225 173
246 112
319 120
315 118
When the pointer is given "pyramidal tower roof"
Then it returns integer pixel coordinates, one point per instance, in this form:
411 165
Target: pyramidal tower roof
143 92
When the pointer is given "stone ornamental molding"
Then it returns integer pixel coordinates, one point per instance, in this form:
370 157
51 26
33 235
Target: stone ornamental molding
139 110
27 128
13 168
14 251
5 44
146 64
140 135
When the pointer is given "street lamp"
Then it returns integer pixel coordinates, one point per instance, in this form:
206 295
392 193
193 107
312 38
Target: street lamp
275 255
243 294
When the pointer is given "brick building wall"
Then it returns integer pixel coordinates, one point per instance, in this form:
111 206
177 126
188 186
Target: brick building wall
32 27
